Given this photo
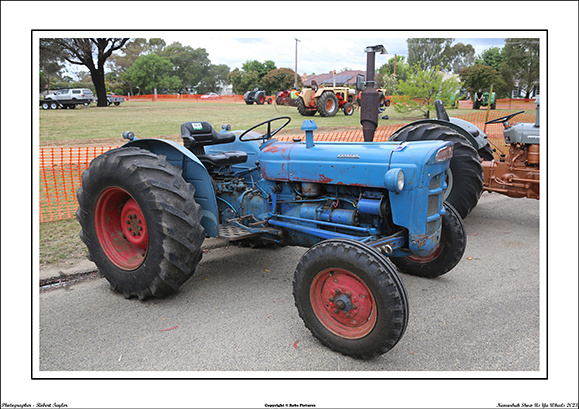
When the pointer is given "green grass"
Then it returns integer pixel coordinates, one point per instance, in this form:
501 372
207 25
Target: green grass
60 241
161 119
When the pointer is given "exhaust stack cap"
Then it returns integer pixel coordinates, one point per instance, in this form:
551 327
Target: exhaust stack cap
376 49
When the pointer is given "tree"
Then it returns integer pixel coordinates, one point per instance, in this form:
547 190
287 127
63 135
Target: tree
120 63
427 52
82 51
387 69
457 57
261 68
422 88
521 62
388 83
491 57
243 81
151 72
191 65
279 79
50 67
215 78
481 77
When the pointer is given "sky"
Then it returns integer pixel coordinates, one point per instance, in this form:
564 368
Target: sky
317 52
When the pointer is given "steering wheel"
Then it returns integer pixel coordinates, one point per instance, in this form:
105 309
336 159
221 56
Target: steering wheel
503 118
269 132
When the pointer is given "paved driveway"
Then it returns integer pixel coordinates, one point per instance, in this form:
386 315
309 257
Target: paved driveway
237 314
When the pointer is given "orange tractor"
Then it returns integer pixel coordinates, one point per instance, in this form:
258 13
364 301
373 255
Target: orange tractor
326 100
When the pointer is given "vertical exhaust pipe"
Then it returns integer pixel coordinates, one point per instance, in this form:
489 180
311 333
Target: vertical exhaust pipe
370 96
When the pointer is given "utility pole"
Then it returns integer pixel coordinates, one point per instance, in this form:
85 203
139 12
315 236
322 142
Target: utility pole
296 66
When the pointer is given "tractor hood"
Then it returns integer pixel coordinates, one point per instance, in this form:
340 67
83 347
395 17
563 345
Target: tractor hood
355 164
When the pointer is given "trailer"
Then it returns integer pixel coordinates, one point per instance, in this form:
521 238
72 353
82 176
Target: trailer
114 99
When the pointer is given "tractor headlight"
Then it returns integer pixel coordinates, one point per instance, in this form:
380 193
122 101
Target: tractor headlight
444 153
394 180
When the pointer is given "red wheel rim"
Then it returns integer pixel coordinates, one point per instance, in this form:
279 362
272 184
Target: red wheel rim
343 303
121 228
432 257
329 105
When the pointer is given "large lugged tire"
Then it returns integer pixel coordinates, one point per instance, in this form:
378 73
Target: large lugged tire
327 104
140 222
302 108
350 298
449 252
465 176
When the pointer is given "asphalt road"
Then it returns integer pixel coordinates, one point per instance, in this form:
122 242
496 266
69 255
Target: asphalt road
237 313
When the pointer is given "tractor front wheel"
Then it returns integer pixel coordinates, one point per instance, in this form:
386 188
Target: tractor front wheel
348 109
446 256
350 298
140 222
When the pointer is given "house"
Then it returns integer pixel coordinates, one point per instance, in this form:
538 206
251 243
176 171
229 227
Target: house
346 78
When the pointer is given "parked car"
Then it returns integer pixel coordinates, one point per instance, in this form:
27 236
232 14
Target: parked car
211 95
71 97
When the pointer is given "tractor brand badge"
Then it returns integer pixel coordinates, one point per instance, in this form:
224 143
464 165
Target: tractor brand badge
197 125
348 156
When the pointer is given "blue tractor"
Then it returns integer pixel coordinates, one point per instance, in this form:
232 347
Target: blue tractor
361 209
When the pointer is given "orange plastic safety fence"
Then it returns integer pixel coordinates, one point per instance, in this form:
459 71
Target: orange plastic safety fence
60 177
188 98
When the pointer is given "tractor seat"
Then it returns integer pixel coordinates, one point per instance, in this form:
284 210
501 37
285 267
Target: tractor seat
196 135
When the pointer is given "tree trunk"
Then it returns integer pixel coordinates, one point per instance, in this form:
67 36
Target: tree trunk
98 79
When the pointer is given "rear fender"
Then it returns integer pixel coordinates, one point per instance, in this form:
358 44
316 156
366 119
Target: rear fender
307 96
320 91
194 172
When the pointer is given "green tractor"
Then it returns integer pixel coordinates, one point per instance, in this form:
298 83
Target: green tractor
485 101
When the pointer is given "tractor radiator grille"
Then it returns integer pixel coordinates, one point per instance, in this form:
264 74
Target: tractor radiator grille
435 193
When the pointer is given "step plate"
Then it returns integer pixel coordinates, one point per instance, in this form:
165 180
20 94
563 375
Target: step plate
232 232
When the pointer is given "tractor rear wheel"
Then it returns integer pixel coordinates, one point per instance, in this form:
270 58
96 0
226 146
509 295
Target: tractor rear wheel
327 104
302 108
351 298
140 222
465 176
449 252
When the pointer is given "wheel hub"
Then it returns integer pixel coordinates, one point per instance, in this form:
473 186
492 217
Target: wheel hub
134 227
343 303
